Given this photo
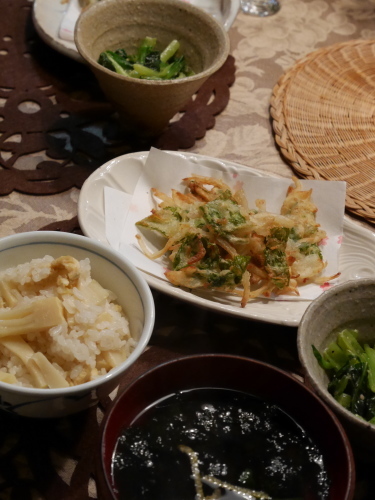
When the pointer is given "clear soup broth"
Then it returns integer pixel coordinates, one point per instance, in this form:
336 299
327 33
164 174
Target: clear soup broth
217 443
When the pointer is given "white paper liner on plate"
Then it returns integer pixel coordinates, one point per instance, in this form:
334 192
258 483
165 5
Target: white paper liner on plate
66 31
165 171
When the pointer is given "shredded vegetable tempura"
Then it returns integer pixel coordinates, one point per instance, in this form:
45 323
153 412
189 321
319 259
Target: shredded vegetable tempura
215 241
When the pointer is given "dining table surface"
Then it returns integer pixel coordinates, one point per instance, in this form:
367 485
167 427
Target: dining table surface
57 129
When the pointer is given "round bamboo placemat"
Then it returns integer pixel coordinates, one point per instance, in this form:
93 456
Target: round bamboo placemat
323 112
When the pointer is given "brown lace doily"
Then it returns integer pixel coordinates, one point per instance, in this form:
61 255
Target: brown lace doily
53 105
323 112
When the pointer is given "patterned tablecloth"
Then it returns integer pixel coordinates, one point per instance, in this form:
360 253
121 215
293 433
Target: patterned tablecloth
56 128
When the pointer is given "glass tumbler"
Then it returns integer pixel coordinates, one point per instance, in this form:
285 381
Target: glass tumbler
260 8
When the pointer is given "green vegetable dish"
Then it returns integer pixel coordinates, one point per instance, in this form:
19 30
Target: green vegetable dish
350 366
148 63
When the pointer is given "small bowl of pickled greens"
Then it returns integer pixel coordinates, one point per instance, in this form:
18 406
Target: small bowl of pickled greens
148 63
221 426
336 346
150 56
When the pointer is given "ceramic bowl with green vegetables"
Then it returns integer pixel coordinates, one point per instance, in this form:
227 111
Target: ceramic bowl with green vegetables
150 56
336 346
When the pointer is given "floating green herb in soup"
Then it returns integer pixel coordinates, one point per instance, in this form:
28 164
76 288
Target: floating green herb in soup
350 366
148 63
216 443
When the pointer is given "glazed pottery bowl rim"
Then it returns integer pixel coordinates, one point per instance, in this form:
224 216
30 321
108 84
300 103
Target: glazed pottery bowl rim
319 387
106 423
135 277
215 65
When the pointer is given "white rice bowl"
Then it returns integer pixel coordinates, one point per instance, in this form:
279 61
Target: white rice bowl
114 272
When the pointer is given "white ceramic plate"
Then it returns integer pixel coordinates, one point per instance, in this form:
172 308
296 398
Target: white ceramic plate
357 256
48 14
47 17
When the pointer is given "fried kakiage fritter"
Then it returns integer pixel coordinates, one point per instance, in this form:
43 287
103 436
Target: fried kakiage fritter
214 241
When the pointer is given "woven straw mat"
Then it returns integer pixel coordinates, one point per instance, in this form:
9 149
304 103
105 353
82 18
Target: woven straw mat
323 112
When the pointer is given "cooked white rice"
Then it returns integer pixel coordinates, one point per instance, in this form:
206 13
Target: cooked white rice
79 348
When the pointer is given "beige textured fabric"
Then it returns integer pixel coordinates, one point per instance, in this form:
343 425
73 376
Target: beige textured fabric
264 49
